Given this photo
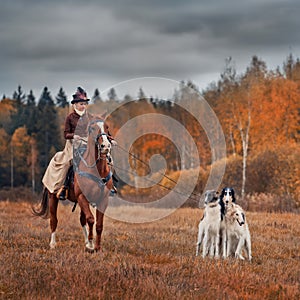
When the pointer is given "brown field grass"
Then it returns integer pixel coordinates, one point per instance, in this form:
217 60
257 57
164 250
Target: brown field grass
143 261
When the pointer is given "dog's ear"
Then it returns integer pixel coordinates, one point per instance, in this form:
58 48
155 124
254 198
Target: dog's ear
243 215
233 195
222 204
222 194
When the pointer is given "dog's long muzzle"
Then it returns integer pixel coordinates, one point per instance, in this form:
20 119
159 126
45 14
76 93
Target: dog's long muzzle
241 223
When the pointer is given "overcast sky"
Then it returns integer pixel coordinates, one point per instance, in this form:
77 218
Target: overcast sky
99 43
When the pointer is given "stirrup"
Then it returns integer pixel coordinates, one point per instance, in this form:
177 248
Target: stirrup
113 191
62 194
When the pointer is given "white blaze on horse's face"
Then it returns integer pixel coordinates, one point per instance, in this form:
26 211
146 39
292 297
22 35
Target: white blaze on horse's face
105 144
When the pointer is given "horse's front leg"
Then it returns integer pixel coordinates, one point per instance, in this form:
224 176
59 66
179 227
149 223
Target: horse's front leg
99 228
85 208
53 203
84 227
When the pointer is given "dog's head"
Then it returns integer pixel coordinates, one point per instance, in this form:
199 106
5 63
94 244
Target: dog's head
227 196
237 213
210 196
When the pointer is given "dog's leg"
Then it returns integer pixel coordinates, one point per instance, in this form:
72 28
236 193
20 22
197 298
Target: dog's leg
212 248
205 244
238 250
200 237
229 240
248 246
224 242
217 240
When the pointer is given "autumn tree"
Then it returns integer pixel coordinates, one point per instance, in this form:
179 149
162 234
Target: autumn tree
4 158
223 97
7 110
21 149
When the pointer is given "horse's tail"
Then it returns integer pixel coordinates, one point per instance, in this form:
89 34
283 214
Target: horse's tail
43 209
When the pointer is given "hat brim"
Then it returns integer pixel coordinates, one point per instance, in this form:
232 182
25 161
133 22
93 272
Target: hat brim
79 100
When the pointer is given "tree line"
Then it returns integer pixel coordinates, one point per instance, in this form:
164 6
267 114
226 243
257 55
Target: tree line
259 111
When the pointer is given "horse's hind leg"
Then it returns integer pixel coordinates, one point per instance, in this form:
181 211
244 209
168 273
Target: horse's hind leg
53 203
99 228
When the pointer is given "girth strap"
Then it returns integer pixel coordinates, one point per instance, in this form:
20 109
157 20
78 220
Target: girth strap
100 181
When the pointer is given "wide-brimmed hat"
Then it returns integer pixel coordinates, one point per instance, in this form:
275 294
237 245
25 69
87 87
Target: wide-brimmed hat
80 96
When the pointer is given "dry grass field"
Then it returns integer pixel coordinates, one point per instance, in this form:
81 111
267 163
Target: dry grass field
143 261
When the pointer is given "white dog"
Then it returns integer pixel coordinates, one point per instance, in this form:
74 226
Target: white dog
237 232
209 226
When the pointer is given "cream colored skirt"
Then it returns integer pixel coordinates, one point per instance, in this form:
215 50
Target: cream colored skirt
58 167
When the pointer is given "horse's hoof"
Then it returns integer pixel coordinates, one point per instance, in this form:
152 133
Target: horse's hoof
90 247
89 250
52 245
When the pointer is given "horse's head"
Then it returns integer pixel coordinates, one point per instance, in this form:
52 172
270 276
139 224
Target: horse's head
96 131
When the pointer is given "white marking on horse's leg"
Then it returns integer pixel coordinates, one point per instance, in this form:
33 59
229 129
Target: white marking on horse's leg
90 245
85 233
53 240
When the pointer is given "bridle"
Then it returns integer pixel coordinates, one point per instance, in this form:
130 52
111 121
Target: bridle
100 155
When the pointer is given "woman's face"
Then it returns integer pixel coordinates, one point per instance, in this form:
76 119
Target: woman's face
81 106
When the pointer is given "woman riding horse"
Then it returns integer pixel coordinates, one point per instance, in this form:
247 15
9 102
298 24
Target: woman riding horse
56 176
92 163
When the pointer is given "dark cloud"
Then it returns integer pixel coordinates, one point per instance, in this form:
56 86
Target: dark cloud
63 43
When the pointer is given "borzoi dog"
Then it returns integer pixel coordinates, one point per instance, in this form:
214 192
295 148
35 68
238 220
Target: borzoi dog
227 197
209 226
237 232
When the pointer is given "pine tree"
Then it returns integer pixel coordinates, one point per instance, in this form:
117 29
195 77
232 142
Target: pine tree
96 98
112 95
141 94
61 98
18 119
30 113
47 128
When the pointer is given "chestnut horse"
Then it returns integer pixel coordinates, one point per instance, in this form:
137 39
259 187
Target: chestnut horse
92 185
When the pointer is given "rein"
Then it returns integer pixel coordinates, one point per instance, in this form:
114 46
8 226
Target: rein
99 151
85 162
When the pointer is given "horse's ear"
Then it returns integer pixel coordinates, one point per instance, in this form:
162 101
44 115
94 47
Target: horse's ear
104 115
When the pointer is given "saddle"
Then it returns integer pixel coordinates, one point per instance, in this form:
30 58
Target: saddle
69 180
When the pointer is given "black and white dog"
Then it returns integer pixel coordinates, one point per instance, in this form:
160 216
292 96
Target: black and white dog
226 198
